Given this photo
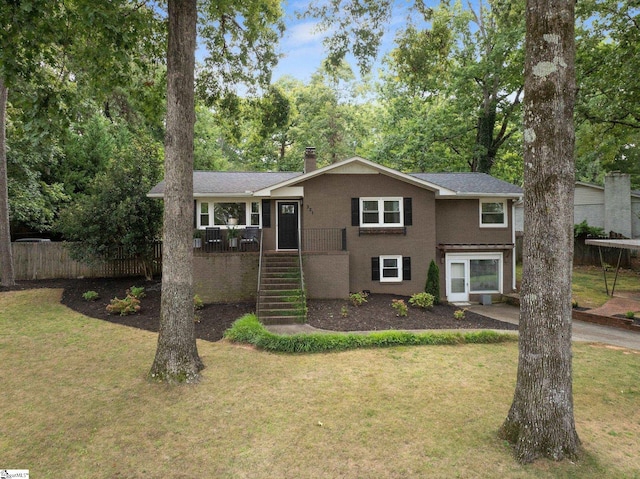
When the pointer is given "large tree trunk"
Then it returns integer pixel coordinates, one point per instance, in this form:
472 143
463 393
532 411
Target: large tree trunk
177 358
540 422
6 256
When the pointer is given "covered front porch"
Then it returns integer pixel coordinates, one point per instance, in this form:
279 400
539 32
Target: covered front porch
254 239
227 270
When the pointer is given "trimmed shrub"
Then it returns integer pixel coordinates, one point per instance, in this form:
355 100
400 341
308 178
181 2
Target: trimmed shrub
90 296
128 305
422 300
459 314
249 330
433 282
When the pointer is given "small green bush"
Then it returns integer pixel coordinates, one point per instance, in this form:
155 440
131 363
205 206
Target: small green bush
358 299
128 305
136 292
90 296
249 330
422 300
459 314
400 307
630 315
433 282
584 230
344 311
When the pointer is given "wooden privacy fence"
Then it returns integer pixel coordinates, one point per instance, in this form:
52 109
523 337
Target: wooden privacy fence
51 260
588 255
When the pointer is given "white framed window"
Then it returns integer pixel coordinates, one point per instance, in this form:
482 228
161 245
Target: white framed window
493 213
390 268
204 214
224 213
384 211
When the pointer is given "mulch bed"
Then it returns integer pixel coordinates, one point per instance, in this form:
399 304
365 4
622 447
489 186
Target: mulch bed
376 314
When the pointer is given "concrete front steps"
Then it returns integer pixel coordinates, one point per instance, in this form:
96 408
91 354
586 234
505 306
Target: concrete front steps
281 299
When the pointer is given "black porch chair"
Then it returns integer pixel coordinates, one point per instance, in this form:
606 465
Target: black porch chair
213 238
250 237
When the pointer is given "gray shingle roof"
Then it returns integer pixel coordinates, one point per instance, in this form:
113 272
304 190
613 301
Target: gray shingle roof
470 183
229 182
221 183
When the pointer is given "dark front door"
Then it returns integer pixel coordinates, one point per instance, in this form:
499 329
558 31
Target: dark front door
288 225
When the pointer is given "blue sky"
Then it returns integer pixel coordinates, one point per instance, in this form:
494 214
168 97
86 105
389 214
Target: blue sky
302 46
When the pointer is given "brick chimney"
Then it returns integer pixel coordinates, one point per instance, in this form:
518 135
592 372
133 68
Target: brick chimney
310 163
617 204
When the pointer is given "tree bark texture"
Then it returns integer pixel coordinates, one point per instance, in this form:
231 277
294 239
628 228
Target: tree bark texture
177 358
6 256
540 422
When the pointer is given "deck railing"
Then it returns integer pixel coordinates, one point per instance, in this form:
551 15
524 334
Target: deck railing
311 239
324 239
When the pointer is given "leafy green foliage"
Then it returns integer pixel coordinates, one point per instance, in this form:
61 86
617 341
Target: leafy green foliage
136 292
358 299
197 302
433 282
608 100
400 307
421 300
124 307
583 229
90 296
241 40
459 314
249 330
115 216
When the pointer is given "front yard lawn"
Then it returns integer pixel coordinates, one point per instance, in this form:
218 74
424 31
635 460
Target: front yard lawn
76 403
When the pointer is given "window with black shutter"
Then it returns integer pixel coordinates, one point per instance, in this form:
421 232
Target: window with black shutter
266 213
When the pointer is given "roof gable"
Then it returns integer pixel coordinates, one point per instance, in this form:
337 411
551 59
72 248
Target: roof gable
355 165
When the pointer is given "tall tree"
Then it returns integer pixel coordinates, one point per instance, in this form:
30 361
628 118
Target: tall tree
177 358
6 258
608 101
54 44
113 214
468 60
240 37
540 422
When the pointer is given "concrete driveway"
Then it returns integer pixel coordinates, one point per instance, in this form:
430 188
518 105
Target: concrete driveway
581 330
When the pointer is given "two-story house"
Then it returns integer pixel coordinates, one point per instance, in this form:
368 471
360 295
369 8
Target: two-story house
355 226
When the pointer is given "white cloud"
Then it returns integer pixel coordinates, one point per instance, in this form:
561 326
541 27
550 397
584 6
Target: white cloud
303 33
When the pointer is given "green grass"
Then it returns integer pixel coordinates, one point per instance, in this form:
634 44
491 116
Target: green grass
249 330
588 284
76 402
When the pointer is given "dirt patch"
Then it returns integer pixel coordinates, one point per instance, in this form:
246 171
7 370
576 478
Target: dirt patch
374 315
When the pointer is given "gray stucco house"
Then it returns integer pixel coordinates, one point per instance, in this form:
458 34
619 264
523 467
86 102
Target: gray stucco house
614 207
